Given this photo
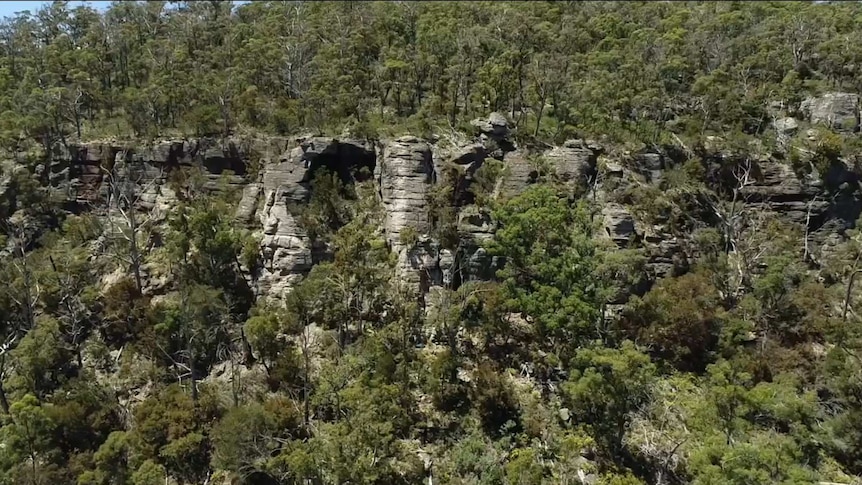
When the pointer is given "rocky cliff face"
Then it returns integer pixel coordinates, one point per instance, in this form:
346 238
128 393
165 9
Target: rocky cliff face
839 111
284 185
275 175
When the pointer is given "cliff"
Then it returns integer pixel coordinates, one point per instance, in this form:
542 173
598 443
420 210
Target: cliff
274 176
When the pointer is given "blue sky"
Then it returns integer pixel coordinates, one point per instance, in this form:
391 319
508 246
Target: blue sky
8 9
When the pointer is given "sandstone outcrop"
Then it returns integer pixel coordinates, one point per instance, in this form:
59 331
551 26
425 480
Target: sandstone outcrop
274 176
405 174
495 126
574 161
82 172
286 248
839 111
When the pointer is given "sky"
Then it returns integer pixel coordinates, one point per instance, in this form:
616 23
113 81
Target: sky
8 9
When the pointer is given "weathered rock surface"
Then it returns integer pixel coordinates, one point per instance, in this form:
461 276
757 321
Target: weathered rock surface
839 111
520 172
786 125
474 263
651 165
405 173
575 161
776 188
495 126
285 185
275 177
619 223
82 172
248 204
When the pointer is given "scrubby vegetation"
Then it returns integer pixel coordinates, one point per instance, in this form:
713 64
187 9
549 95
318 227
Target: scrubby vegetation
136 352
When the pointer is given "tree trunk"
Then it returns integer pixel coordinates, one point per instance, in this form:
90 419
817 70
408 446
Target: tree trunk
78 123
133 249
4 401
847 295
192 373
234 387
247 354
539 117
305 384
28 295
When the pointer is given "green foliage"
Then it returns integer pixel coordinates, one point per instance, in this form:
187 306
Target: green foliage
822 151
112 458
38 357
448 392
484 181
619 479
441 205
495 401
149 473
28 439
409 236
248 436
550 258
605 386
401 80
329 208
523 467
745 369
171 429
262 329
679 319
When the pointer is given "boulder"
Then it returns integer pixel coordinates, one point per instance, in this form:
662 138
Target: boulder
785 126
651 165
471 154
247 206
613 169
494 126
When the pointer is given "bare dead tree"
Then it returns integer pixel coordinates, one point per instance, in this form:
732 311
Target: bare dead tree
307 343
124 198
9 342
849 290
743 222
183 371
660 430
30 289
733 216
806 255
75 312
800 37
13 328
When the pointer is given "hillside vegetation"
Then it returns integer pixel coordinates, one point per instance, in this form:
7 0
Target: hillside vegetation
618 69
475 243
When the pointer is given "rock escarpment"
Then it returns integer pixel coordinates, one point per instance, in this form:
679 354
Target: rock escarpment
405 174
82 173
285 184
274 176
838 111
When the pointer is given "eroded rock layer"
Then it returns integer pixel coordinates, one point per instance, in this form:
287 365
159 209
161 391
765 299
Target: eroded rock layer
274 176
